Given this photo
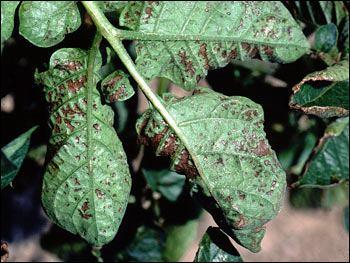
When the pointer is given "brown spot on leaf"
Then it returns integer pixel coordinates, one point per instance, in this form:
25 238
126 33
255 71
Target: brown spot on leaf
85 206
187 63
184 167
75 85
262 149
203 53
71 65
76 181
169 146
99 193
268 50
241 195
69 125
96 127
240 223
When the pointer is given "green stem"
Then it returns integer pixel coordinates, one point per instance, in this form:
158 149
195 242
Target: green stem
96 252
106 29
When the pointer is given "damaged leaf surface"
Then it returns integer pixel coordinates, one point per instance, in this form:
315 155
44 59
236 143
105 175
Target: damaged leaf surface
238 177
324 93
238 30
116 87
87 182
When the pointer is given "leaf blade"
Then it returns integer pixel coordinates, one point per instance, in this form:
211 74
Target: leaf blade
229 25
87 181
12 156
45 23
8 9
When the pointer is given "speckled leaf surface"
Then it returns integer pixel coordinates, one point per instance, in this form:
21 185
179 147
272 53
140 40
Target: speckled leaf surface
238 177
216 247
330 162
87 182
220 32
45 23
324 93
116 87
8 9
12 156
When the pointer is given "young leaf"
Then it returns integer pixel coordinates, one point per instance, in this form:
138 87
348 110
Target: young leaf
45 23
12 156
326 37
209 35
330 162
116 87
168 183
216 247
87 182
324 93
178 240
147 246
8 9
237 175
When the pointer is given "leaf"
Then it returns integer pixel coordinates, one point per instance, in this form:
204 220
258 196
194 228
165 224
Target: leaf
237 176
208 35
324 93
168 183
87 182
8 9
116 87
147 246
326 37
179 239
12 156
45 23
216 247
330 161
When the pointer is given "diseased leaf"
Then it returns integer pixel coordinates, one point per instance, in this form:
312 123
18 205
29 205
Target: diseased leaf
326 37
216 247
179 239
87 182
324 93
12 156
45 23
8 9
168 183
147 246
343 42
330 162
116 87
237 176
209 35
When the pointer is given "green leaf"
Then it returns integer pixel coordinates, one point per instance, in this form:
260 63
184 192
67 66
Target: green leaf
216 247
147 246
330 162
335 196
45 23
209 35
116 87
87 182
12 156
8 9
343 42
179 239
326 37
237 176
168 183
324 93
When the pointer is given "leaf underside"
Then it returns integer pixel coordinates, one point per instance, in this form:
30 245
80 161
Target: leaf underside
238 175
238 30
45 23
330 162
87 181
216 247
324 93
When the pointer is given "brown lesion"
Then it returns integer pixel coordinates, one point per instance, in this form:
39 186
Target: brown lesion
262 149
186 62
204 54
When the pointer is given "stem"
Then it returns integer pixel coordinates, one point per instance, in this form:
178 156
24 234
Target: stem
108 31
96 252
